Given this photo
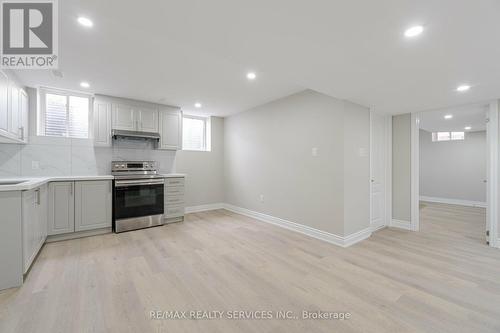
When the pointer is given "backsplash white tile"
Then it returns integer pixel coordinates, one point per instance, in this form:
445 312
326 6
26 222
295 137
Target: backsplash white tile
10 160
73 157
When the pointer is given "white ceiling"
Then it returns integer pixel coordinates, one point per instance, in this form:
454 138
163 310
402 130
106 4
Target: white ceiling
180 52
468 115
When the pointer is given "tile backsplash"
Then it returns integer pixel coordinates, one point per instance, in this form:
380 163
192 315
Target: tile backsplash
46 156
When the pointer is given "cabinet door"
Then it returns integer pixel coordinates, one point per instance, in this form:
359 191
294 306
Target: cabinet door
170 129
14 111
102 123
147 120
92 205
4 100
61 208
24 112
43 207
30 224
124 117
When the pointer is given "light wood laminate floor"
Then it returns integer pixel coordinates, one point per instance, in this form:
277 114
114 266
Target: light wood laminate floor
443 279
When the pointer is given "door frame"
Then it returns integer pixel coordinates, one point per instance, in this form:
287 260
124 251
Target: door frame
387 169
492 174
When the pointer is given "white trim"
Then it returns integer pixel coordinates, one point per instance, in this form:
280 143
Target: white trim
343 241
79 234
401 224
415 171
454 201
203 208
378 227
492 177
388 169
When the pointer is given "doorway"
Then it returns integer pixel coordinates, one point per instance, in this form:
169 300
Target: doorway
454 153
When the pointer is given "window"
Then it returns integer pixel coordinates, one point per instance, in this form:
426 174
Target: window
64 114
196 133
447 136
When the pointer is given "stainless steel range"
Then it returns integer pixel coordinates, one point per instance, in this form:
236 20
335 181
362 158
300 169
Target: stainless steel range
138 193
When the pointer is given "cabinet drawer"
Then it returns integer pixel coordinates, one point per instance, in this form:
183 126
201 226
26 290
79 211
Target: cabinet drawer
174 181
174 200
174 191
174 211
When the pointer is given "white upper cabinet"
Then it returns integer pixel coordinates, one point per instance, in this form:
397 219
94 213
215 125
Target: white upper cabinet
135 117
147 119
24 111
15 112
170 128
124 117
102 123
4 104
14 108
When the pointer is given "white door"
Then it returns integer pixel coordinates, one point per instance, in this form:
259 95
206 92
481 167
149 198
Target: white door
148 119
4 98
102 123
378 149
93 202
124 117
15 114
170 129
61 214
24 112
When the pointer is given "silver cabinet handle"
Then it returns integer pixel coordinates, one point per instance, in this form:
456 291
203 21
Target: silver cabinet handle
71 189
37 191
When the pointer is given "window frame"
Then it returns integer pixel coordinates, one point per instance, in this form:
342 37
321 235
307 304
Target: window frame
206 132
42 103
435 136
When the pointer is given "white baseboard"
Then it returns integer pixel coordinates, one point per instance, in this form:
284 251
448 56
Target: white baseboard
453 201
79 234
401 224
377 228
203 208
343 241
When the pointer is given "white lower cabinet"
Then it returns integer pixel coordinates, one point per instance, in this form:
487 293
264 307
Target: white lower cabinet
174 199
34 221
79 206
61 208
92 205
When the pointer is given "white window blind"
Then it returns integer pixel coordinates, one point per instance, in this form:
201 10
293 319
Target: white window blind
66 115
194 133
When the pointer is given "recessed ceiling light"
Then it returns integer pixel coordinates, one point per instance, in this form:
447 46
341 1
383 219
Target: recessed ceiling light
84 84
463 87
251 76
85 22
467 128
197 105
414 31
448 116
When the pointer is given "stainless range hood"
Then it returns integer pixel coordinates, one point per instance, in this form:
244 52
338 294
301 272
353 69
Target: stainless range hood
135 135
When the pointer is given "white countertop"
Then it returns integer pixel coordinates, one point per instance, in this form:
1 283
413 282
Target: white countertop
29 183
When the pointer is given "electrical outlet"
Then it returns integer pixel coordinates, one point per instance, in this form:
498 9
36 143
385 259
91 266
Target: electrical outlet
261 198
314 152
35 165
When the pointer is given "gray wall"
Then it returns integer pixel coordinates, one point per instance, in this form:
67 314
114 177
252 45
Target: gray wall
453 169
205 170
401 167
268 151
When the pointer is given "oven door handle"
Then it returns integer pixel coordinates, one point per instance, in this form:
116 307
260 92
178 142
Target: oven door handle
126 183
